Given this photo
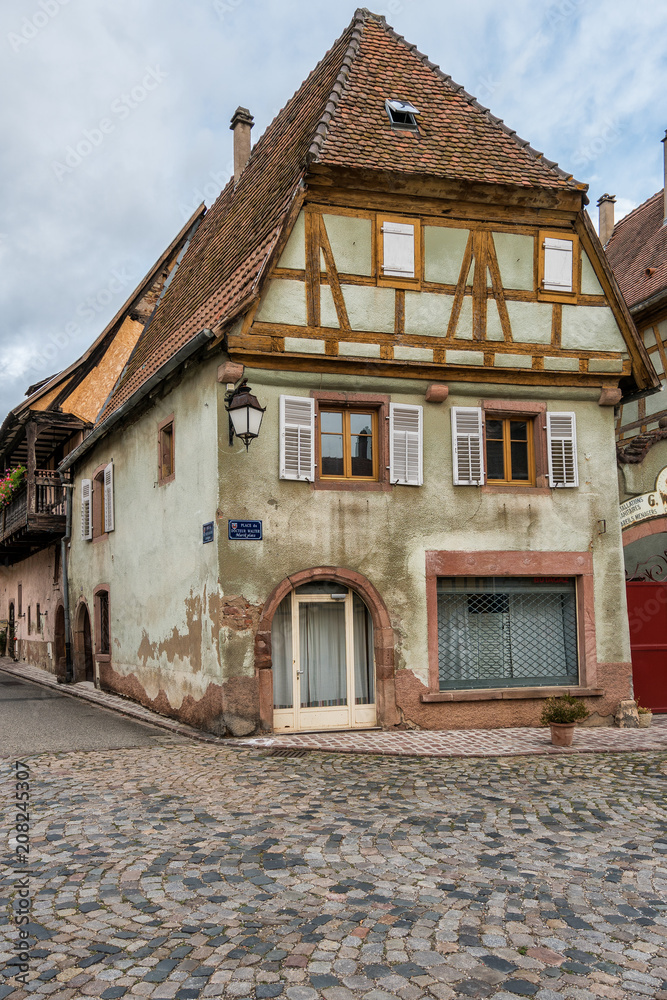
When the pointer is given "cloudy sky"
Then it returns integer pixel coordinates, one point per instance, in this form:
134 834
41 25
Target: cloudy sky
147 89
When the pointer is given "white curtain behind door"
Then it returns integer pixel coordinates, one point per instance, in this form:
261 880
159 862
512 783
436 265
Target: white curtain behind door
364 661
281 654
322 655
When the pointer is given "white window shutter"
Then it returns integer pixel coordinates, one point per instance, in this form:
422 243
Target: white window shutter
398 242
406 444
86 510
467 445
108 497
562 448
297 438
558 255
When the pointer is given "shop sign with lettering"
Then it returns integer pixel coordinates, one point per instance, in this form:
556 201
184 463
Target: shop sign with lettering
648 505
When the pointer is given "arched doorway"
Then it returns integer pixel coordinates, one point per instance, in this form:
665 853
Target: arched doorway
83 647
59 642
324 654
11 632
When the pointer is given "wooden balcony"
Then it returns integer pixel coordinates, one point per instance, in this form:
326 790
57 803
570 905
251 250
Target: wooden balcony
34 517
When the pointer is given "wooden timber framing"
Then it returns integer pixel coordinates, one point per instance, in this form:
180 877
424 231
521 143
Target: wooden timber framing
419 370
262 332
332 276
480 221
660 345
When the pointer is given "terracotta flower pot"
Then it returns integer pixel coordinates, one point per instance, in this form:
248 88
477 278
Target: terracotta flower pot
645 719
562 733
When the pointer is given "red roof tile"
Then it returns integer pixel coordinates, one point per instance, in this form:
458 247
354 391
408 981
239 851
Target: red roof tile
337 118
637 251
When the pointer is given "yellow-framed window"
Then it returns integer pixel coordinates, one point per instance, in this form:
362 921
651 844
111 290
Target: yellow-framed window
510 450
348 444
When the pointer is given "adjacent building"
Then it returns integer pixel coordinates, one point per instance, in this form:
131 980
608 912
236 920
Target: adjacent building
637 252
425 530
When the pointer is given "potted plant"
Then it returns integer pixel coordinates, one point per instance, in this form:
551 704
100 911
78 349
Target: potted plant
645 716
562 714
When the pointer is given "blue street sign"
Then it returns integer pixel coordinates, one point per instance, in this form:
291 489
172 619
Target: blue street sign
244 531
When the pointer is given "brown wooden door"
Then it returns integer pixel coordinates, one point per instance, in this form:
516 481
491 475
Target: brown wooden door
647 612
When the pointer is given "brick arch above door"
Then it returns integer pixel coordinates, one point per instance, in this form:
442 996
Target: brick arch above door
383 638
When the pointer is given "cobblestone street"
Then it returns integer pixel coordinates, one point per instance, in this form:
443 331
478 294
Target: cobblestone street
193 871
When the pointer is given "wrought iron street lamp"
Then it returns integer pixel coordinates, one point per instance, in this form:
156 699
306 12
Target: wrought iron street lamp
245 414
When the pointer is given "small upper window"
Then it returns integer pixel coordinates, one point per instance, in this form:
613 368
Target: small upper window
166 451
402 115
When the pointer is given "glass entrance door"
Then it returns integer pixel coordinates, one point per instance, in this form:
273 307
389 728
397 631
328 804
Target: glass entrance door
322 651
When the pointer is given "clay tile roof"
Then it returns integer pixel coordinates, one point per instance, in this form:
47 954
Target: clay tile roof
637 251
336 118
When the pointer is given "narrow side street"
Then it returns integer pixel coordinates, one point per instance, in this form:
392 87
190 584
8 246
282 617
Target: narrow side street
35 719
187 870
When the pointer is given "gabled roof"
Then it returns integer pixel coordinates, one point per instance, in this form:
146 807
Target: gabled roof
337 118
637 252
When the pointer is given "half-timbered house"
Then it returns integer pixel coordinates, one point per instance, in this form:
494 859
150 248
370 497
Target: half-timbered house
425 530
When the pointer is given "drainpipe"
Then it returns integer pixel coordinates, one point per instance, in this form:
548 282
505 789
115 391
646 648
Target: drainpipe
64 545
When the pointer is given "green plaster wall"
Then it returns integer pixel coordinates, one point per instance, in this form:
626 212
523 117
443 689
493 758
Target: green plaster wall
284 302
427 313
443 253
393 530
351 243
294 254
328 314
494 330
591 328
589 279
369 308
464 325
530 322
515 259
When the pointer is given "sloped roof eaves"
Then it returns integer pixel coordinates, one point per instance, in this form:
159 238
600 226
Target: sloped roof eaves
240 230
140 289
637 244
647 376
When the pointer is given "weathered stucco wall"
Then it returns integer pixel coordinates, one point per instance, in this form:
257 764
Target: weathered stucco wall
40 579
163 580
385 535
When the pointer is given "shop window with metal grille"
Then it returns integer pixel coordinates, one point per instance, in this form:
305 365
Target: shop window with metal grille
506 632
104 646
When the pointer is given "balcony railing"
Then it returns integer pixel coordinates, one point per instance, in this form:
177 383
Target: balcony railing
35 510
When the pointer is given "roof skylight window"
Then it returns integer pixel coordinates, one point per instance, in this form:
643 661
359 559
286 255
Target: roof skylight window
402 115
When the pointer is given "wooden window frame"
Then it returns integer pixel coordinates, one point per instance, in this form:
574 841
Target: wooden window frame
535 414
392 281
162 426
346 412
506 422
101 657
363 402
97 504
548 294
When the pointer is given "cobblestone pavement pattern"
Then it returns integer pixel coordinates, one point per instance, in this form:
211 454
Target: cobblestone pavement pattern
197 871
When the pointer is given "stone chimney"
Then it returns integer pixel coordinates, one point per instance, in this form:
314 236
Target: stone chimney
606 224
664 181
242 123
